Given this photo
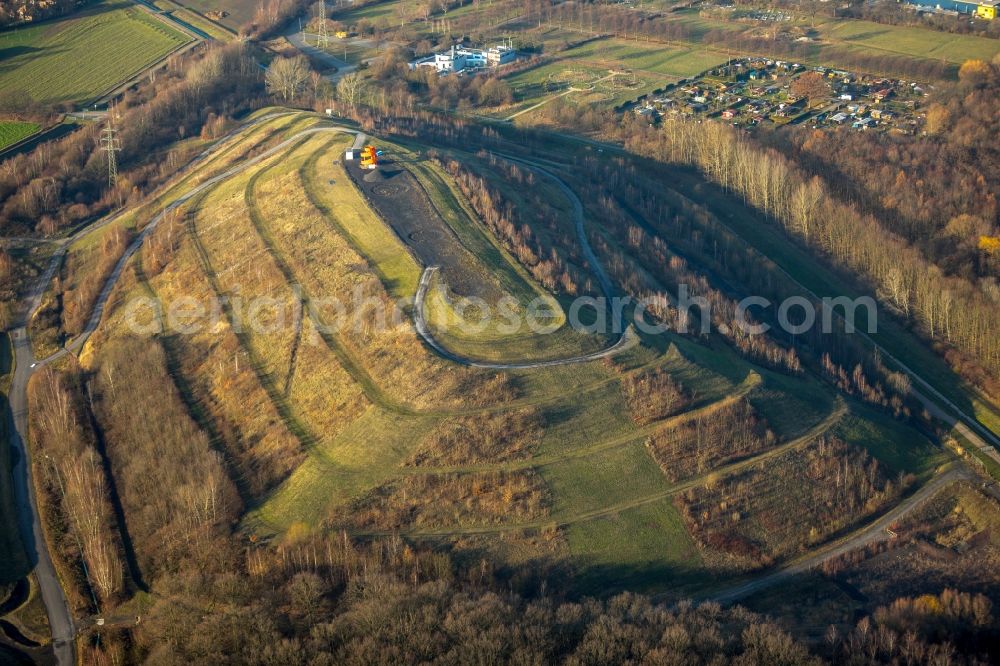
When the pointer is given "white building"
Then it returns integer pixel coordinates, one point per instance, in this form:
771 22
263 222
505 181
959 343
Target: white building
500 55
457 59
450 61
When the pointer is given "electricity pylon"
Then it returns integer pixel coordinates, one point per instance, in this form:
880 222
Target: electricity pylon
323 34
111 145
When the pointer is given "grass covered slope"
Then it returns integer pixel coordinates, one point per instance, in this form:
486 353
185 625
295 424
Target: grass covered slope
79 57
304 427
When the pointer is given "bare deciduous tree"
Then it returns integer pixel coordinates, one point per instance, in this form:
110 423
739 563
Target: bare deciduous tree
287 77
349 89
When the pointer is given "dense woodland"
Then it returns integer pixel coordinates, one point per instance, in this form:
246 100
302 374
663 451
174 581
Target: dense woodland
939 192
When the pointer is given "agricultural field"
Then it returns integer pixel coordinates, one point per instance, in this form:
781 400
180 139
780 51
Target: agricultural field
12 131
80 57
383 15
832 38
909 41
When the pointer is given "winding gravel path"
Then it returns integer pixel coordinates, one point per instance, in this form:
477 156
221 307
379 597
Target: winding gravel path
626 340
57 608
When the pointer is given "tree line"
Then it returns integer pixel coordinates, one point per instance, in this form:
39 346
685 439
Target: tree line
945 308
939 190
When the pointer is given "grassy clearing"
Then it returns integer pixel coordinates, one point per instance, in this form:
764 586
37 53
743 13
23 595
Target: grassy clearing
644 548
597 70
791 404
469 334
84 55
910 41
12 131
669 61
338 471
352 52
371 12
602 479
899 447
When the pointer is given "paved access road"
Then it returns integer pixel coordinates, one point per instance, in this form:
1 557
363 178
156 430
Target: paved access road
341 68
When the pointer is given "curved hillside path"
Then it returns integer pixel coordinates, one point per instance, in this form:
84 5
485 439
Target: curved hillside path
57 608
800 442
626 340
59 614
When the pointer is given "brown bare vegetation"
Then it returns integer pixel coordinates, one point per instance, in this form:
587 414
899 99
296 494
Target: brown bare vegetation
482 438
702 443
223 382
423 501
73 472
174 487
653 395
775 509
950 542
542 241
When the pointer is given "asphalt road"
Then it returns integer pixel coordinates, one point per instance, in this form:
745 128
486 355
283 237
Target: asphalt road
300 40
57 608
